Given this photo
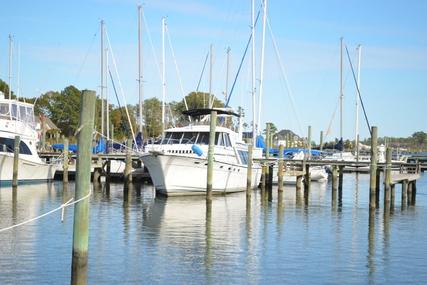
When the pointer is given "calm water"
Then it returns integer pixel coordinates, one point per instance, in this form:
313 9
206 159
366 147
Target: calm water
141 238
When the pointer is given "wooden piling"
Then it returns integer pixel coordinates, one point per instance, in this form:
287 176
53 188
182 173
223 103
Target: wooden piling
414 192
387 178
268 146
307 178
340 184
334 178
81 209
263 176
15 161
378 188
299 182
404 193
249 171
373 168
211 157
65 162
392 195
280 171
128 162
410 193
43 132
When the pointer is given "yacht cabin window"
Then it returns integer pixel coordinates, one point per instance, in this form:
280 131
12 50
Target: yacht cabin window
4 110
8 145
221 138
14 112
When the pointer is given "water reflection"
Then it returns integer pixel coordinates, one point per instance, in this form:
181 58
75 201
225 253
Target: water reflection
270 237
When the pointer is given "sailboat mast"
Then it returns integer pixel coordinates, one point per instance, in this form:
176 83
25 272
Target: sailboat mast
359 49
227 74
140 79
210 76
107 109
18 72
341 92
10 66
102 77
254 120
261 85
163 75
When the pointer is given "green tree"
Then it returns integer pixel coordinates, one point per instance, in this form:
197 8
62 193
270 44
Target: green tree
153 117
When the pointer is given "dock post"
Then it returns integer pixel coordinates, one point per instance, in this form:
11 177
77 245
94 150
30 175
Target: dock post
414 192
263 176
249 171
377 186
128 165
410 193
211 157
387 178
299 182
268 146
334 178
15 161
373 170
280 171
307 178
404 193
81 209
340 184
65 162
392 195
43 133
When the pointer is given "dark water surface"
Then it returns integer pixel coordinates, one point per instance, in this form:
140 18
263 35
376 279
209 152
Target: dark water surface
140 238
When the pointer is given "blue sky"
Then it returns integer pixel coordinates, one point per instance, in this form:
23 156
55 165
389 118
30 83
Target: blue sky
59 43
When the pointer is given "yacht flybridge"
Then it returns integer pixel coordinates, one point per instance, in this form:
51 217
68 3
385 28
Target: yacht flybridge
178 164
17 119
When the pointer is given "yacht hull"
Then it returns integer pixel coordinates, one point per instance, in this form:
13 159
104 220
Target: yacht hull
28 171
175 175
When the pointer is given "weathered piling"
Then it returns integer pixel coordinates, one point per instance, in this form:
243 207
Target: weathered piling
340 184
16 161
299 182
334 178
307 178
249 171
387 178
108 175
65 163
43 133
378 188
341 178
211 157
81 209
263 176
410 193
414 192
268 145
280 170
128 164
373 168
404 193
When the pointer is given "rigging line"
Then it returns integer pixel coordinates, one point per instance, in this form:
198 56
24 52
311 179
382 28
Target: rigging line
358 91
243 59
117 97
86 56
151 44
285 77
332 119
120 85
203 71
177 70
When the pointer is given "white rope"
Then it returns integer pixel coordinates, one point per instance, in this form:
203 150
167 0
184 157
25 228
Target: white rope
66 204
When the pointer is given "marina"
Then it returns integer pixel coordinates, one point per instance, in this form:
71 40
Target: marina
172 143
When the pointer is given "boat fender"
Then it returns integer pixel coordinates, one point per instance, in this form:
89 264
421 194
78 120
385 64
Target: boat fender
197 150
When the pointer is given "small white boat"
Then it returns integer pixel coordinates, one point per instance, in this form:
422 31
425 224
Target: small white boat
178 165
17 119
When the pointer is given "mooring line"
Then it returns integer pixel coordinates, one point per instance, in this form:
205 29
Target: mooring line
66 204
